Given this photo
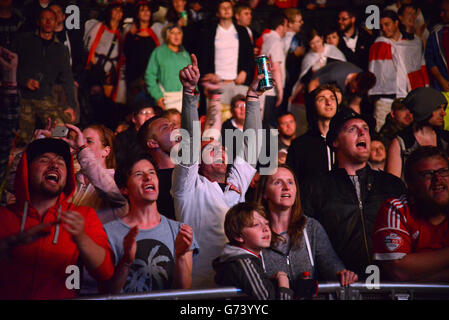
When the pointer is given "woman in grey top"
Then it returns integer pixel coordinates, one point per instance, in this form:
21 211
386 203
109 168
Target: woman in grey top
299 243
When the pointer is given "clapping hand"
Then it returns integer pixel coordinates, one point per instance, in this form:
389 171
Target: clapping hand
183 240
130 245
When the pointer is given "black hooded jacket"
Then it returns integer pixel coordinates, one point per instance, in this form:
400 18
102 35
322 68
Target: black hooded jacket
333 201
239 268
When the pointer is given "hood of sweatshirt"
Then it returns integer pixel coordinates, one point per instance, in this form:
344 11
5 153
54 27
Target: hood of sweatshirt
23 203
231 253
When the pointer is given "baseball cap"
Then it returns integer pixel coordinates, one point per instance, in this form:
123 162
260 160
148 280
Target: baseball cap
41 146
398 104
343 116
423 101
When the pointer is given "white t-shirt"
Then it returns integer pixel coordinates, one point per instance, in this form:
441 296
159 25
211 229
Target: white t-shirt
273 47
351 42
202 205
226 52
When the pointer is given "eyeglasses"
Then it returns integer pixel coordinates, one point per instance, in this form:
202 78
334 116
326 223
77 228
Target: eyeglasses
429 174
145 113
240 105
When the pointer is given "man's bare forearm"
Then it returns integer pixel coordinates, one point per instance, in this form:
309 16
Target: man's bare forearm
182 278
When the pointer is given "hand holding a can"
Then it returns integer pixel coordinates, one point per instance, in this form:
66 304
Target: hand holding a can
254 88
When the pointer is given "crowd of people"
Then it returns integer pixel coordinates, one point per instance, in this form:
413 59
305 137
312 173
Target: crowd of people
116 154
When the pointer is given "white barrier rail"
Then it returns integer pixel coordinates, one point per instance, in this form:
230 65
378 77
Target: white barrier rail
326 291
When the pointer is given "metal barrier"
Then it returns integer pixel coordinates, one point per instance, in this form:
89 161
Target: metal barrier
384 291
326 291
200 294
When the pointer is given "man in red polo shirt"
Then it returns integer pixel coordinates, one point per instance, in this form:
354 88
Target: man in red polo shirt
411 233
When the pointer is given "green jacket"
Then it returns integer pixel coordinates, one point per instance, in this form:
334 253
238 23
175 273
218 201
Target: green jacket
163 68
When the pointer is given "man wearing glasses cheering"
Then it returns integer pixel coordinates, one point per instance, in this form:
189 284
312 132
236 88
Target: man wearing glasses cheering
411 233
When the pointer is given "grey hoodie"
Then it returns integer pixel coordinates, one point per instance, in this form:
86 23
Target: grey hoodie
294 261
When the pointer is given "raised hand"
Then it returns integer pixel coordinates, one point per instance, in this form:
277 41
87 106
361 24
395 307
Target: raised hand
253 88
130 245
190 75
183 240
79 139
45 133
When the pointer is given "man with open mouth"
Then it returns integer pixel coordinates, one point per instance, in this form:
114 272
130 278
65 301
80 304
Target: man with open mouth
42 234
346 200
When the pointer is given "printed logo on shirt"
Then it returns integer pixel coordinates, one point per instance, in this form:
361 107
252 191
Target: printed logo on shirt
392 241
152 269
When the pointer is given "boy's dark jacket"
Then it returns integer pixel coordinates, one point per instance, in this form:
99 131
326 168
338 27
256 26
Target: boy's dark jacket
240 268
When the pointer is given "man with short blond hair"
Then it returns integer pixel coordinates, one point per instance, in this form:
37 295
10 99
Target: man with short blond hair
243 16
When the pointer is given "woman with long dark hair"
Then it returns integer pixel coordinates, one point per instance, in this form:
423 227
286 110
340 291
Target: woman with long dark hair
140 42
299 243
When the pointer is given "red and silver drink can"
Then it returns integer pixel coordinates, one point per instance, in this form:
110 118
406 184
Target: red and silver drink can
263 67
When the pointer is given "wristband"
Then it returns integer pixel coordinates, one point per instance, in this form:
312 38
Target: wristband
80 149
216 97
192 92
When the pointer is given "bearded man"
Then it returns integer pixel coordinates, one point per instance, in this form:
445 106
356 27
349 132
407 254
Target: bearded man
411 238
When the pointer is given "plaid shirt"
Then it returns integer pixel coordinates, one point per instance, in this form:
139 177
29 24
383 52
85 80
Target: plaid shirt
9 118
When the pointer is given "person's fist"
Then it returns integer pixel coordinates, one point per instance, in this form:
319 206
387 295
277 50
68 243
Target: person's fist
183 240
130 245
190 75
74 224
32 84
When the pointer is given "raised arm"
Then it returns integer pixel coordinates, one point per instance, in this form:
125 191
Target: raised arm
253 121
212 127
92 169
189 77
394 160
182 278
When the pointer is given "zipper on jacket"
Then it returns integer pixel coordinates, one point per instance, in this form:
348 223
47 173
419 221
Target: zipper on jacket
362 218
289 266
